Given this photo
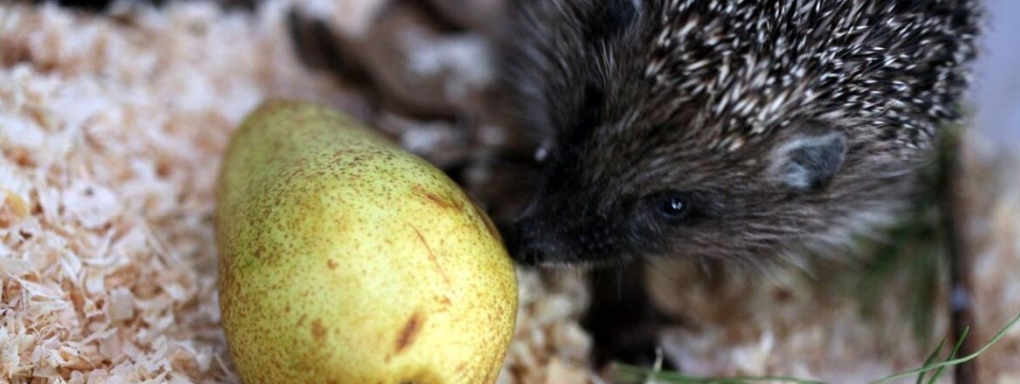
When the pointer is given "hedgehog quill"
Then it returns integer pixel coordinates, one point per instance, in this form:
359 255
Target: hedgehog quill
737 132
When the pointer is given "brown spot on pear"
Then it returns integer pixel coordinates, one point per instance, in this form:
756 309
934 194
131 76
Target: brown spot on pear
410 330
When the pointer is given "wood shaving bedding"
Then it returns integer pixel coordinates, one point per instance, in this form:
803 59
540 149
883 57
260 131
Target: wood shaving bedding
111 132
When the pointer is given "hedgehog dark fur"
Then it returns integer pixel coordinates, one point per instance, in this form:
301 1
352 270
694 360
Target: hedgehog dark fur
728 130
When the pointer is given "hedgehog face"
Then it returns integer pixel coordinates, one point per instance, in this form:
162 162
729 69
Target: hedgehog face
617 195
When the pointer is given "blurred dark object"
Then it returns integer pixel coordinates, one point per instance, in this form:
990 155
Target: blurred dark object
623 321
381 61
106 5
87 5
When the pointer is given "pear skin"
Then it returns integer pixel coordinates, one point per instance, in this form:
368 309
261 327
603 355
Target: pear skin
346 259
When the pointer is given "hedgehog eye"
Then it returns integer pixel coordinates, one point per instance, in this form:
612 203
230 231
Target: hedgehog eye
672 207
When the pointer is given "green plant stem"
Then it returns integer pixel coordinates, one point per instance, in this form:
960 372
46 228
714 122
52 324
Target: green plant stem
630 373
949 363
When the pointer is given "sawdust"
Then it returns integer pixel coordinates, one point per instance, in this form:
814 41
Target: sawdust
111 132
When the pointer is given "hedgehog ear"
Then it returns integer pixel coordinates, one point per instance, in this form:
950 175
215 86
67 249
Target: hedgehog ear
808 160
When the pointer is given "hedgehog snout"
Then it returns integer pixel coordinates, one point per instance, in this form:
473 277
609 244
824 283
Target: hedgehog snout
525 242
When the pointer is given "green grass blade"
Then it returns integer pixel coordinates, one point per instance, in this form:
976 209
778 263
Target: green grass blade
628 374
949 363
952 354
931 360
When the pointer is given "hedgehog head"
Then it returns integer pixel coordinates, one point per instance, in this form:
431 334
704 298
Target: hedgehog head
730 130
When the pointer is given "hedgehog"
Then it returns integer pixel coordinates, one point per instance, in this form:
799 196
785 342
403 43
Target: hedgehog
736 130
747 133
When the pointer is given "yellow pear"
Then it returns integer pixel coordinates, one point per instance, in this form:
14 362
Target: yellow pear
345 259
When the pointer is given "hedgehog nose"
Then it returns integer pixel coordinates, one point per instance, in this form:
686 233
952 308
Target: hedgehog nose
523 243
